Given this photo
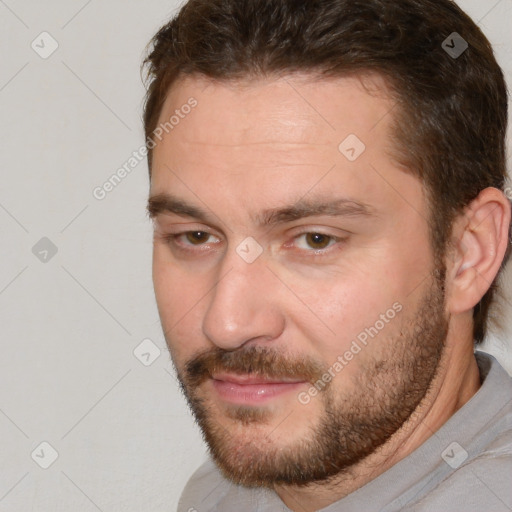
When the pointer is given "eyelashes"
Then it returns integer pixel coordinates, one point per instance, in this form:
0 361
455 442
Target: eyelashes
309 243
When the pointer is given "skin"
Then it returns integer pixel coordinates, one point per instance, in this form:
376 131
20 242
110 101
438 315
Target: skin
248 148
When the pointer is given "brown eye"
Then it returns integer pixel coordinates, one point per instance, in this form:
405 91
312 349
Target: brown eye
317 240
197 237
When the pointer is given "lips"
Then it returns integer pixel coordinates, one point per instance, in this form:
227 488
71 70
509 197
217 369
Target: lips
249 379
252 389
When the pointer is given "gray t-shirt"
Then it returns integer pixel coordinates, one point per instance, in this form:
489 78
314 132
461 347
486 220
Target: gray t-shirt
466 466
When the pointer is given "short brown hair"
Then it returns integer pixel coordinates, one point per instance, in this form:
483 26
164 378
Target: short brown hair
450 124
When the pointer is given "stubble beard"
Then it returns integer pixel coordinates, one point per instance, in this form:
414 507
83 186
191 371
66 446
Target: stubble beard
387 391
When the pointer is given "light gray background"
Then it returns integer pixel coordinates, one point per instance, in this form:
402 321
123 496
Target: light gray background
69 326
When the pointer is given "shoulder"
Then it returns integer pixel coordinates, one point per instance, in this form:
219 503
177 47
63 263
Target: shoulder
482 468
204 482
481 484
208 491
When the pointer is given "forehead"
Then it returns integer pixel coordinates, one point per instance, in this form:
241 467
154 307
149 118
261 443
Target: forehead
277 139
299 108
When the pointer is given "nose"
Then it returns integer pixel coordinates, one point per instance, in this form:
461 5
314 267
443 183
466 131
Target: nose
243 305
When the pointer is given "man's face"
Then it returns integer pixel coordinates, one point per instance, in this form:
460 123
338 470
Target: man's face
293 274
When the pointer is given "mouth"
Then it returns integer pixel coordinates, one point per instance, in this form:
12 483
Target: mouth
249 389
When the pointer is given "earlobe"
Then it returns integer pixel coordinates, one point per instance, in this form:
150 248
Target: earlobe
481 242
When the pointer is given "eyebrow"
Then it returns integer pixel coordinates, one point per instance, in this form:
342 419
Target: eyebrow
338 207
165 203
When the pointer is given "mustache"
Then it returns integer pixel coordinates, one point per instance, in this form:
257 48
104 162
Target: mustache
258 361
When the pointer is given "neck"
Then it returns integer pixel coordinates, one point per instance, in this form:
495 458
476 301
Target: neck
456 381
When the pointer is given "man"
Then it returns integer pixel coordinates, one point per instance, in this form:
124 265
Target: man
327 193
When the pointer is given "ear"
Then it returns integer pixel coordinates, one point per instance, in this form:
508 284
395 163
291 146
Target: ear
480 240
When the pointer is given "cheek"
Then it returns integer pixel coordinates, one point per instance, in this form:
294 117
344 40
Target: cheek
174 288
164 283
178 298
340 304
343 314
